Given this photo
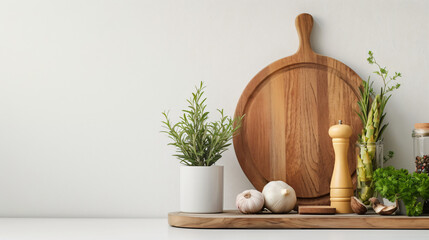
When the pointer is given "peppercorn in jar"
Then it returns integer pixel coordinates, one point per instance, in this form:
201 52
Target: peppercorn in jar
421 147
421 151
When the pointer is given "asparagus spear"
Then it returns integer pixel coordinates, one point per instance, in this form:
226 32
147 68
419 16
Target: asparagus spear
372 116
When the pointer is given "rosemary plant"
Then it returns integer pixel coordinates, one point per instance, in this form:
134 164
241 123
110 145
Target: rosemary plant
197 141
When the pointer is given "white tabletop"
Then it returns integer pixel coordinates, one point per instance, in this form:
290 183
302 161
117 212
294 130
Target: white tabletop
145 229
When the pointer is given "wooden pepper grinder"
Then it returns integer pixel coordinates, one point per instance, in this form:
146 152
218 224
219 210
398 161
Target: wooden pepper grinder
341 182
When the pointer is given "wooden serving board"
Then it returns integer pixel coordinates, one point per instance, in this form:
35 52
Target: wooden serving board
289 107
234 219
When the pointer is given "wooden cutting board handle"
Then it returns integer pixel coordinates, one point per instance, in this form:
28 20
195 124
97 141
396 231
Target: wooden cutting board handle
304 24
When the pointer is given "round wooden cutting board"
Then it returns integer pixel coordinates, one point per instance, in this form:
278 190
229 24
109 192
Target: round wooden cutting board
289 107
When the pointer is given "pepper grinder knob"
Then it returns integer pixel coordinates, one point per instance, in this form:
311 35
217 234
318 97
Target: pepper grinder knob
341 182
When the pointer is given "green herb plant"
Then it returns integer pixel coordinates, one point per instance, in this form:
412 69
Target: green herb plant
372 114
197 141
395 184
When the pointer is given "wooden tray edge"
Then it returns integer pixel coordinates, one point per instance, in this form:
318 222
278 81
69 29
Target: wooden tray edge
234 220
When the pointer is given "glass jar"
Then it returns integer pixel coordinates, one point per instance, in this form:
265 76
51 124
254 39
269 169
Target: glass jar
421 152
421 147
369 158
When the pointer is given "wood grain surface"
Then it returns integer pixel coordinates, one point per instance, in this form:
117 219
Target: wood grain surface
289 107
316 210
234 219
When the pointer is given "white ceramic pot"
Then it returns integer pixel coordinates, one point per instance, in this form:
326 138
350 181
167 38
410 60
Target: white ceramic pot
201 189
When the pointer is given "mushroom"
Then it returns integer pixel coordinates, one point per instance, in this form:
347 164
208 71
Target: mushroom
357 206
383 209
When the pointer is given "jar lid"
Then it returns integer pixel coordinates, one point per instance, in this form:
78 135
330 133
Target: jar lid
421 130
421 126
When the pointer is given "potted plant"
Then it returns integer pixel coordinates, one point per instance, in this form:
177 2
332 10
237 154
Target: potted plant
199 145
370 142
410 189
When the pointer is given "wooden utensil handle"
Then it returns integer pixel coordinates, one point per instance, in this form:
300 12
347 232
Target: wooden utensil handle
304 24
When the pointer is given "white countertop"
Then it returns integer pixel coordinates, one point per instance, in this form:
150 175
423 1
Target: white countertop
145 229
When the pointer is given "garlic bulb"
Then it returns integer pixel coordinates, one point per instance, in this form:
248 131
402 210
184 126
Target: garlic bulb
250 201
279 197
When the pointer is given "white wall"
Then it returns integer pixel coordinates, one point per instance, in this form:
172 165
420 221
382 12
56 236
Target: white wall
83 84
